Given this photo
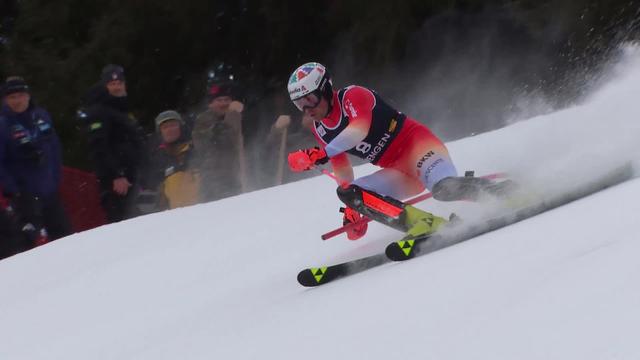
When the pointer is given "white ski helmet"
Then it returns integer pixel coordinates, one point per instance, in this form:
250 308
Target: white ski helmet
309 78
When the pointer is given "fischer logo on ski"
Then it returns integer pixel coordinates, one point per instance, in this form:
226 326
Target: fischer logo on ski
406 246
318 273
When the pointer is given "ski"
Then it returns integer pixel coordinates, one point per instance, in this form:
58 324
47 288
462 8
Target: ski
321 275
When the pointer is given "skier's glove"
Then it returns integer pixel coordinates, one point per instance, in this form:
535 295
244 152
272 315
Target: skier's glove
306 159
352 216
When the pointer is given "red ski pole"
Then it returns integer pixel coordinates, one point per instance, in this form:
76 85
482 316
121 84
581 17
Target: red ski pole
343 184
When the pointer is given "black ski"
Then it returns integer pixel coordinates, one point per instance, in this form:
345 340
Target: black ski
324 274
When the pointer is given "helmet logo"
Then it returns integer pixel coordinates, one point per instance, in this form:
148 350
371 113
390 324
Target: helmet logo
301 75
304 71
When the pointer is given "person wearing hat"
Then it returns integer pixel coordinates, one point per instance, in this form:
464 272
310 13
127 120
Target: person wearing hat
177 180
30 167
116 143
217 135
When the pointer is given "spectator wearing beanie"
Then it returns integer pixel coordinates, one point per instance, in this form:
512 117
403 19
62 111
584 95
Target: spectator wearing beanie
116 143
30 166
178 182
217 136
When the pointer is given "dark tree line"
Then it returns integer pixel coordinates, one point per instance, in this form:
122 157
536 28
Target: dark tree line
492 48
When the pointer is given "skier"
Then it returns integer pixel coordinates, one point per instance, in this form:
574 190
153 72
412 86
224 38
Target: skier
356 120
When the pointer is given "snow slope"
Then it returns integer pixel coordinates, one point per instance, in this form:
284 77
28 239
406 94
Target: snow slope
217 281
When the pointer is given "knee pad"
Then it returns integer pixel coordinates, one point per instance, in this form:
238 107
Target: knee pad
350 196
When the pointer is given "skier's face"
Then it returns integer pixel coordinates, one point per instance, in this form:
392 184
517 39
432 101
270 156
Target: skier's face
307 122
319 111
18 102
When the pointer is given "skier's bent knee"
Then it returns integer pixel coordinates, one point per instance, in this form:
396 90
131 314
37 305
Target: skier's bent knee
447 189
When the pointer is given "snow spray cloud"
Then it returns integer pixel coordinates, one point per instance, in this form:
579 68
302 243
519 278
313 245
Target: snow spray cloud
600 134
559 151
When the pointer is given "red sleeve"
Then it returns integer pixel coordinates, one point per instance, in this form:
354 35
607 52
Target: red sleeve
358 103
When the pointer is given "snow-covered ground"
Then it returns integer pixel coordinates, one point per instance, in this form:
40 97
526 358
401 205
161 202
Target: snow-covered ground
218 280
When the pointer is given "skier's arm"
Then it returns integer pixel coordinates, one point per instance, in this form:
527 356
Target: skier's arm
342 167
358 104
340 163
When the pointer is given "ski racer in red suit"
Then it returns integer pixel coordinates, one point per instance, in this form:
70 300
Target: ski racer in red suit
356 120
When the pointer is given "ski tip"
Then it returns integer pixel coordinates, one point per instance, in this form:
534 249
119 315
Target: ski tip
313 277
399 250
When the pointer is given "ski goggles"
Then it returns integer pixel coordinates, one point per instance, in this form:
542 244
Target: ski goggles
309 101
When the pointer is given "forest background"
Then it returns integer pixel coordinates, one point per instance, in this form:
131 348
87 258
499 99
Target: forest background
461 66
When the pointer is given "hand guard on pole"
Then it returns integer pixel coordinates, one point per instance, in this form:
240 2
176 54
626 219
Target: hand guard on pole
352 216
303 160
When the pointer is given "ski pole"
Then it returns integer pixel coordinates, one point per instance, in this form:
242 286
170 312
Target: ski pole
343 184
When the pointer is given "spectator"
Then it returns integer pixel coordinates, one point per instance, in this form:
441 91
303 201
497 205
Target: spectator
217 136
179 183
269 141
285 137
116 143
30 167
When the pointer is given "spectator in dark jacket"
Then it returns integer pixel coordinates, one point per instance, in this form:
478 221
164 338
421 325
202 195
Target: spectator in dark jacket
116 143
30 165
